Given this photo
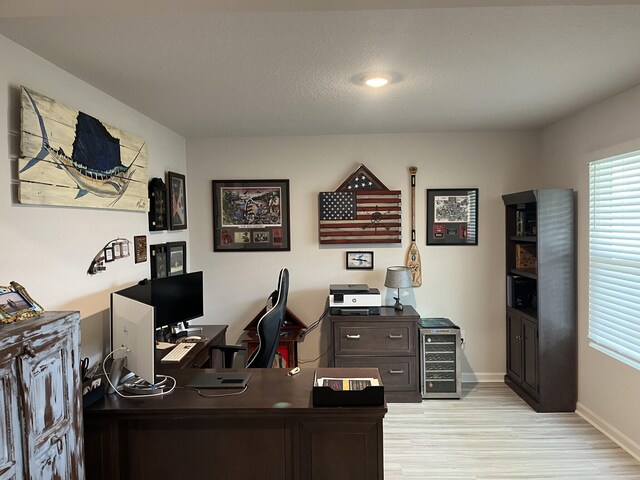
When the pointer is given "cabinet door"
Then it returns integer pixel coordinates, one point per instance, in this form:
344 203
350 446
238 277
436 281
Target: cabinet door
530 355
10 443
514 346
46 372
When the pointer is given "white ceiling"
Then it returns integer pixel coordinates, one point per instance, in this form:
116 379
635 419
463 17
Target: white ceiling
290 67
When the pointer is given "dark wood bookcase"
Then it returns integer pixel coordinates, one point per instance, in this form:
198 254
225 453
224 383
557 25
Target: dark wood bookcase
540 311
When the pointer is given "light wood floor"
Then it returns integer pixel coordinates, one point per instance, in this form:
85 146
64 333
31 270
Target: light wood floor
492 434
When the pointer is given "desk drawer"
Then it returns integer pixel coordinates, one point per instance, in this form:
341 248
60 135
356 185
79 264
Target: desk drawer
396 373
375 338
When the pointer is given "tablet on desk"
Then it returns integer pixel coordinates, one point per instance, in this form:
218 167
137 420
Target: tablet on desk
219 380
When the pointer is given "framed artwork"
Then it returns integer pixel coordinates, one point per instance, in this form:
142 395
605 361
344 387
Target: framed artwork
359 260
108 254
158 261
157 205
177 193
140 248
452 216
251 215
16 304
176 258
117 250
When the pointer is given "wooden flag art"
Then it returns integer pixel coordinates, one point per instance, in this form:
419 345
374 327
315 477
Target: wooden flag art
361 210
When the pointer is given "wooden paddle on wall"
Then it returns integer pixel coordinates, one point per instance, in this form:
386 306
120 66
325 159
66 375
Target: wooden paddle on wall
413 255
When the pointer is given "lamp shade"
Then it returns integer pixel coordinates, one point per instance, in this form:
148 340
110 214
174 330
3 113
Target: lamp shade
398 277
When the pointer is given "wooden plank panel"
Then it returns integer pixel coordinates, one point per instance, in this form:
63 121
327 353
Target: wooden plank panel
40 178
38 193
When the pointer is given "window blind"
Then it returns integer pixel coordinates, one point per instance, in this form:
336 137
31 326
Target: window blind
614 257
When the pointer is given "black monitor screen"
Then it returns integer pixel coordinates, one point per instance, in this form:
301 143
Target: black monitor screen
176 299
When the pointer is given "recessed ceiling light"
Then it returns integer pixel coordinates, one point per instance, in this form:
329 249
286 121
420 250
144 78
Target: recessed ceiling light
376 81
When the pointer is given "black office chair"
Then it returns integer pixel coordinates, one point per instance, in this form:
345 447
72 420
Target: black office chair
269 328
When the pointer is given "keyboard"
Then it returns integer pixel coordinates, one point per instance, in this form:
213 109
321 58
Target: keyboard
178 352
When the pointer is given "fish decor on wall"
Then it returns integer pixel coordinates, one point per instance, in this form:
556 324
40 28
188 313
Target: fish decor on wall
361 210
70 158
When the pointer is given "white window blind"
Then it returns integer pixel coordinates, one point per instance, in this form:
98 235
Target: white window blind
614 257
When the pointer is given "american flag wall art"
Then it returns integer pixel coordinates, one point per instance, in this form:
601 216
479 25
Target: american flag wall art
362 210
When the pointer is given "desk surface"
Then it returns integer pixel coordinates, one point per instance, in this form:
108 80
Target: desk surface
268 390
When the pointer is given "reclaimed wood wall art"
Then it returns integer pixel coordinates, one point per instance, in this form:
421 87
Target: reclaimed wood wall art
70 158
361 210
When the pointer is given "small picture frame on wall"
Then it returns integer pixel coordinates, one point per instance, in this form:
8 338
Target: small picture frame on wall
140 248
159 261
176 258
157 205
359 260
177 193
452 216
108 254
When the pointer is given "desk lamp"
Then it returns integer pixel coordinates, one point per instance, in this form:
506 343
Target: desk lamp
398 277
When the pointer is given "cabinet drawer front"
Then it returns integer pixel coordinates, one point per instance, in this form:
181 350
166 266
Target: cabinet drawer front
383 338
396 373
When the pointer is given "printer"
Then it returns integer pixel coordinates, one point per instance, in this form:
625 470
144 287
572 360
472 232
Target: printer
354 299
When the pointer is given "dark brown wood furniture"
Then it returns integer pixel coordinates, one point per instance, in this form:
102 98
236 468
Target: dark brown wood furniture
388 342
203 355
270 431
541 324
41 434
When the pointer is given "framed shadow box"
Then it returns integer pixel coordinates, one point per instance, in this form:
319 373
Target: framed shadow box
452 216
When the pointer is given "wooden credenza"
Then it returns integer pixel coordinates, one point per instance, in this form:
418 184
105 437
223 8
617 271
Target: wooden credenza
388 342
41 435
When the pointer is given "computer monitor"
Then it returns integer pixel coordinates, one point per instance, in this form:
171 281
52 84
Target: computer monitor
176 299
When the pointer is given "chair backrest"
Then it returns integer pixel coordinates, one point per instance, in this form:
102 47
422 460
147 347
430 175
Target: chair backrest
270 325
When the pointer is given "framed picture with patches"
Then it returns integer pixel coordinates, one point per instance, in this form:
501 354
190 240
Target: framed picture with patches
251 215
452 216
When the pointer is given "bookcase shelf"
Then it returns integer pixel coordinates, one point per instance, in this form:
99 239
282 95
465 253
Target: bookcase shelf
540 311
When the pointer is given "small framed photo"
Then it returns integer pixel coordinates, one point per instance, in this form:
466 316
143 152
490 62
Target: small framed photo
177 193
124 249
16 304
159 261
452 216
117 250
251 216
177 258
108 254
359 260
140 248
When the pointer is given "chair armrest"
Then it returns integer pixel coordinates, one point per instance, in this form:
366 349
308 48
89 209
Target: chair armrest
228 352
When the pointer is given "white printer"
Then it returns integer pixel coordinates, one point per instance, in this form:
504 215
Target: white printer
354 299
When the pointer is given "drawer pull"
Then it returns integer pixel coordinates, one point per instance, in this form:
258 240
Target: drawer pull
395 337
396 372
353 337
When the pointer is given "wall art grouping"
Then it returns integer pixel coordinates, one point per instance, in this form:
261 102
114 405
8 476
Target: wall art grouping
70 158
251 215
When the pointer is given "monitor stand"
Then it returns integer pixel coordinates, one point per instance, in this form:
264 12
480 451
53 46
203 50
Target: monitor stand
181 328
124 380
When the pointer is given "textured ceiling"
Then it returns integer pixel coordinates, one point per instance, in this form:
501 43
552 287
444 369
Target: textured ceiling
271 68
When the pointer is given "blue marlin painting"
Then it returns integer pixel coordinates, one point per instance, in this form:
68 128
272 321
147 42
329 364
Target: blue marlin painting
82 147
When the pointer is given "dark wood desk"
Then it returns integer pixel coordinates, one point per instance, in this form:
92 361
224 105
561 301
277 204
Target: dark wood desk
271 431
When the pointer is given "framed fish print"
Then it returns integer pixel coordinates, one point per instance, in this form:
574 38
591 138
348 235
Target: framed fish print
452 216
359 260
251 215
177 193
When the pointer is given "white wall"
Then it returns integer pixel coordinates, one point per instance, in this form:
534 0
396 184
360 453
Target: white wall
608 390
48 249
463 283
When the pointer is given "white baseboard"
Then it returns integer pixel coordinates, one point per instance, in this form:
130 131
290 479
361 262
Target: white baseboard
610 431
473 377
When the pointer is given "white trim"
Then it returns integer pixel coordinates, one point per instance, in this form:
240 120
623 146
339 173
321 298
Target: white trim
472 377
627 444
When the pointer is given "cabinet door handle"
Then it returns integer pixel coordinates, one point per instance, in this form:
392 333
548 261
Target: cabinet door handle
28 350
396 372
395 337
353 337
55 440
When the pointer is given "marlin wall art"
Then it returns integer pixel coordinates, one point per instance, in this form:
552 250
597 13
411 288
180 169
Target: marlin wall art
70 158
